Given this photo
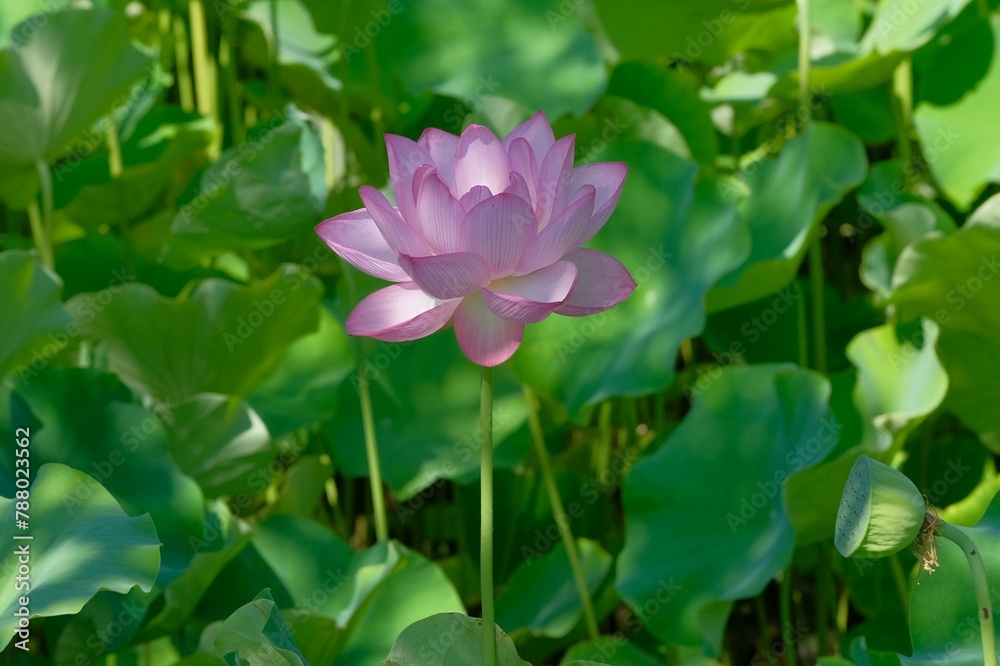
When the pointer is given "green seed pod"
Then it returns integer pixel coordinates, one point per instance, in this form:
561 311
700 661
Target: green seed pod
881 511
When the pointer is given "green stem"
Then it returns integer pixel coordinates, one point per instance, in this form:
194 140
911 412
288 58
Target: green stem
199 56
371 452
185 89
981 585
368 425
824 592
115 167
899 578
804 59
486 526
227 61
785 602
763 624
818 304
803 341
559 512
902 87
274 76
601 455
41 225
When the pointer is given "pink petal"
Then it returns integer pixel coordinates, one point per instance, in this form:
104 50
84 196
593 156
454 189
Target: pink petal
554 175
400 312
480 160
518 187
531 298
566 233
400 237
524 162
441 146
358 241
607 178
498 230
536 131
602 281
439 214
476 195
405 157
448 275
484 337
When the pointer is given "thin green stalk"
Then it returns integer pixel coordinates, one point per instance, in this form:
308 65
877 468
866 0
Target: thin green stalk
763 624
199 56
803 341
899 578
902 87
981 585
371 452
787 637
227 61
816 283
274 76
368 425
115 167
185 88
41 225
559 512
486 524
601 455
805 34
824 599
38 234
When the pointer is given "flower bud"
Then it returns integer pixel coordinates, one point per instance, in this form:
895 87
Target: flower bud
881 511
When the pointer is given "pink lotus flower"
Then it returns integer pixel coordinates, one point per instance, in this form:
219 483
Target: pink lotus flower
485 234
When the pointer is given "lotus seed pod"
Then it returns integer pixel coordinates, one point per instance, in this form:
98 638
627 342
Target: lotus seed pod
881 511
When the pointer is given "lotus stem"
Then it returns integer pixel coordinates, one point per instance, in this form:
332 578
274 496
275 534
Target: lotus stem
486 525
559 512
981 584
371 453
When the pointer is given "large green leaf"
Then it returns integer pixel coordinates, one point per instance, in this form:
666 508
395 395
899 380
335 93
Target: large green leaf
71 72
264 191
538 54
219 441
900 381
305 388
954 281
709 31
705 522
225 338
91 422
449 639
961 141
425 396
789 194
34 326
678 235
371 595
255 634
75 550
665 91
541 597
944 615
